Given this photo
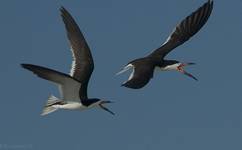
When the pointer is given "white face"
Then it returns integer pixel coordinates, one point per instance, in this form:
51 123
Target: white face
169 68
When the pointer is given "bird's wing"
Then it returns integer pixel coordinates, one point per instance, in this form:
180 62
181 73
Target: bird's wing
139 77
82 65
185 30
69 87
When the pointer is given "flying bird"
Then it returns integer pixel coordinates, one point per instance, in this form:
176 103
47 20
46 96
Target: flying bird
143 68
73 87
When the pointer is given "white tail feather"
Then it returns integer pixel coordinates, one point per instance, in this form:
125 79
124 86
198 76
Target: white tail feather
48 108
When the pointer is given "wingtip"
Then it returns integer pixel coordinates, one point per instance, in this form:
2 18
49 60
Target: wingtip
22 65
210 2
62 8
29 66
26 66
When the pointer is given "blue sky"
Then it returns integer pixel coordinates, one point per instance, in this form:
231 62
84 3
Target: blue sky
171 112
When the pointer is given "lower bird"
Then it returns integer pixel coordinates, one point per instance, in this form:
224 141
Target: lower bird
143 68
73 87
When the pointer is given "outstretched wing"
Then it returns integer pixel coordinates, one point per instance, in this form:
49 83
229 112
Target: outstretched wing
69 87
185 30
82 65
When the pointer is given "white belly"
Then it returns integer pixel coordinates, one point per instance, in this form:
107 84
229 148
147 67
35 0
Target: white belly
168 68
71 106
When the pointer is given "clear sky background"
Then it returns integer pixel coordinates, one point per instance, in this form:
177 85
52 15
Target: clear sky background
172 112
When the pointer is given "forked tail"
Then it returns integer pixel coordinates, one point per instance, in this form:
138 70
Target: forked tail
49 106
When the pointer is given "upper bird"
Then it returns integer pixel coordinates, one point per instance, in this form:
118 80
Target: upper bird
73 87
143 68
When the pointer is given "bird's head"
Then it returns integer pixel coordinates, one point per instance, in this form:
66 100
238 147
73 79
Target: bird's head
102 103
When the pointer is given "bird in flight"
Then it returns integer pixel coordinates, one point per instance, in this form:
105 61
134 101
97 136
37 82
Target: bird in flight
143 68
73 87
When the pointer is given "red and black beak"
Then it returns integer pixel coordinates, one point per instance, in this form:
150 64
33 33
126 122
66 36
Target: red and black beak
180 68
105 108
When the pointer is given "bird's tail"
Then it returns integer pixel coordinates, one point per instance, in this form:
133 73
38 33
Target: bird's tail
49 106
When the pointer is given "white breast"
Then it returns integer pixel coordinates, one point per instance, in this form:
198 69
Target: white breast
71 106
169 68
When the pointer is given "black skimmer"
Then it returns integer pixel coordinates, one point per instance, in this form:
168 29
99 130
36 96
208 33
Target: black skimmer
143 68
73 87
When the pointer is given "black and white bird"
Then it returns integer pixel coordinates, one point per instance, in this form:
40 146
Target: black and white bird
73 87
143 68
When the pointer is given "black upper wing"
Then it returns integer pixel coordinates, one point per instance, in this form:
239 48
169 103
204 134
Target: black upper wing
83 65
185 29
